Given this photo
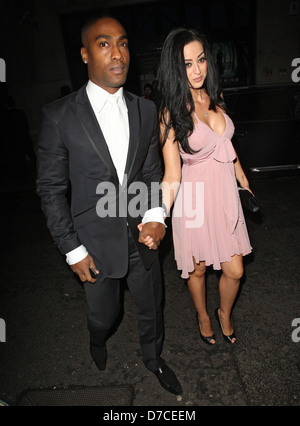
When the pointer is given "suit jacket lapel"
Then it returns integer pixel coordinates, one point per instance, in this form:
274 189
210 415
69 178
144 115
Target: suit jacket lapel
134 116
87 119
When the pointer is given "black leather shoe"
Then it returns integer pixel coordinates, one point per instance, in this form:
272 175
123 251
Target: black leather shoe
99 355
168 380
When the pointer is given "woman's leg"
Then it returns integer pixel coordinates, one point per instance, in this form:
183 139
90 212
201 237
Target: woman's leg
196 285
228 287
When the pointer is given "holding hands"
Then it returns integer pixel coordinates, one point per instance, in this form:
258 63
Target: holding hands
151 234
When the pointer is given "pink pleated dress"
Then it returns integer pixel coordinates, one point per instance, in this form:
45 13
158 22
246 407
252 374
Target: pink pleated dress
208 221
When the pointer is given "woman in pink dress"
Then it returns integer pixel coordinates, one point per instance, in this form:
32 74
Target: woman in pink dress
208 221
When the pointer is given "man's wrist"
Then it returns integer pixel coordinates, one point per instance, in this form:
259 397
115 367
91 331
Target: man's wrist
76 255
157 214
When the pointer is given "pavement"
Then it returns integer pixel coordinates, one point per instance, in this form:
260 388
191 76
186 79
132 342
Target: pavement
44 309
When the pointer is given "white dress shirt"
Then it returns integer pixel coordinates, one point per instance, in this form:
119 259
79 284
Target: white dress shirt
103 109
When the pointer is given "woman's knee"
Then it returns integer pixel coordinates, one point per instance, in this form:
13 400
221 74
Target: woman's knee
238 273
235 273
235 269
200 270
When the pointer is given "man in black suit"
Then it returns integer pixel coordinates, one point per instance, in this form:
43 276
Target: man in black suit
104 142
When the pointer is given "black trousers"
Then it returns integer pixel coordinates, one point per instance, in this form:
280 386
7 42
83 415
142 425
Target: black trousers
145 286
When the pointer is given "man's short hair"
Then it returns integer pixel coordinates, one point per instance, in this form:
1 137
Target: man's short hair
92 21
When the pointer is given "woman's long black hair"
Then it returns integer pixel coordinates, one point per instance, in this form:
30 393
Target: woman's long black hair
176 101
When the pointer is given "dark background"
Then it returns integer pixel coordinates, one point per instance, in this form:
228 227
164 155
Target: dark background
231 22
41 300
40 42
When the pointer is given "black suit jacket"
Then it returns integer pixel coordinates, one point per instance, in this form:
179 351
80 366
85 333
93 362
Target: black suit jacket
72 153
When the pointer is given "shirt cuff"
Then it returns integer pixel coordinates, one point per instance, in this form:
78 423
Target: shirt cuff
156 214
76 255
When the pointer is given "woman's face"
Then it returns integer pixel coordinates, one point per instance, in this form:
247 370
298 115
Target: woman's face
196 64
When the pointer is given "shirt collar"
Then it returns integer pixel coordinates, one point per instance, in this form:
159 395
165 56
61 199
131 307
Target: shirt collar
99 96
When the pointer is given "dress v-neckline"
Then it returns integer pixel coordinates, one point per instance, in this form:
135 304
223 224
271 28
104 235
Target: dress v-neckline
200 121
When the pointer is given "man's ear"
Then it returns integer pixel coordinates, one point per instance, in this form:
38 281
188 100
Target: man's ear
84 55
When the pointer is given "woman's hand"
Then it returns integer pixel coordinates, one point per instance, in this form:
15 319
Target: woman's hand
240 176
244 183
157 230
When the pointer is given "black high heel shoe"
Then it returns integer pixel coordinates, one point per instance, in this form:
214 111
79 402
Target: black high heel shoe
228 339
207 340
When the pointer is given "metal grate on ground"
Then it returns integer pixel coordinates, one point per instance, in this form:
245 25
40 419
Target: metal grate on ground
121 395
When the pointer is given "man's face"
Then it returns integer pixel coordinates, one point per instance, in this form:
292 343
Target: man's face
106 53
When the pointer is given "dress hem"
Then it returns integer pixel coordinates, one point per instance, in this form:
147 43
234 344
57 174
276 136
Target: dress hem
216 268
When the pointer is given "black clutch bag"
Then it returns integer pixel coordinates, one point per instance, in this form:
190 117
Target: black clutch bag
249 201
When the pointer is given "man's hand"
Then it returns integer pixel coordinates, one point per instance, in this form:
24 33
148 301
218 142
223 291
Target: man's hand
151 234
82 269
